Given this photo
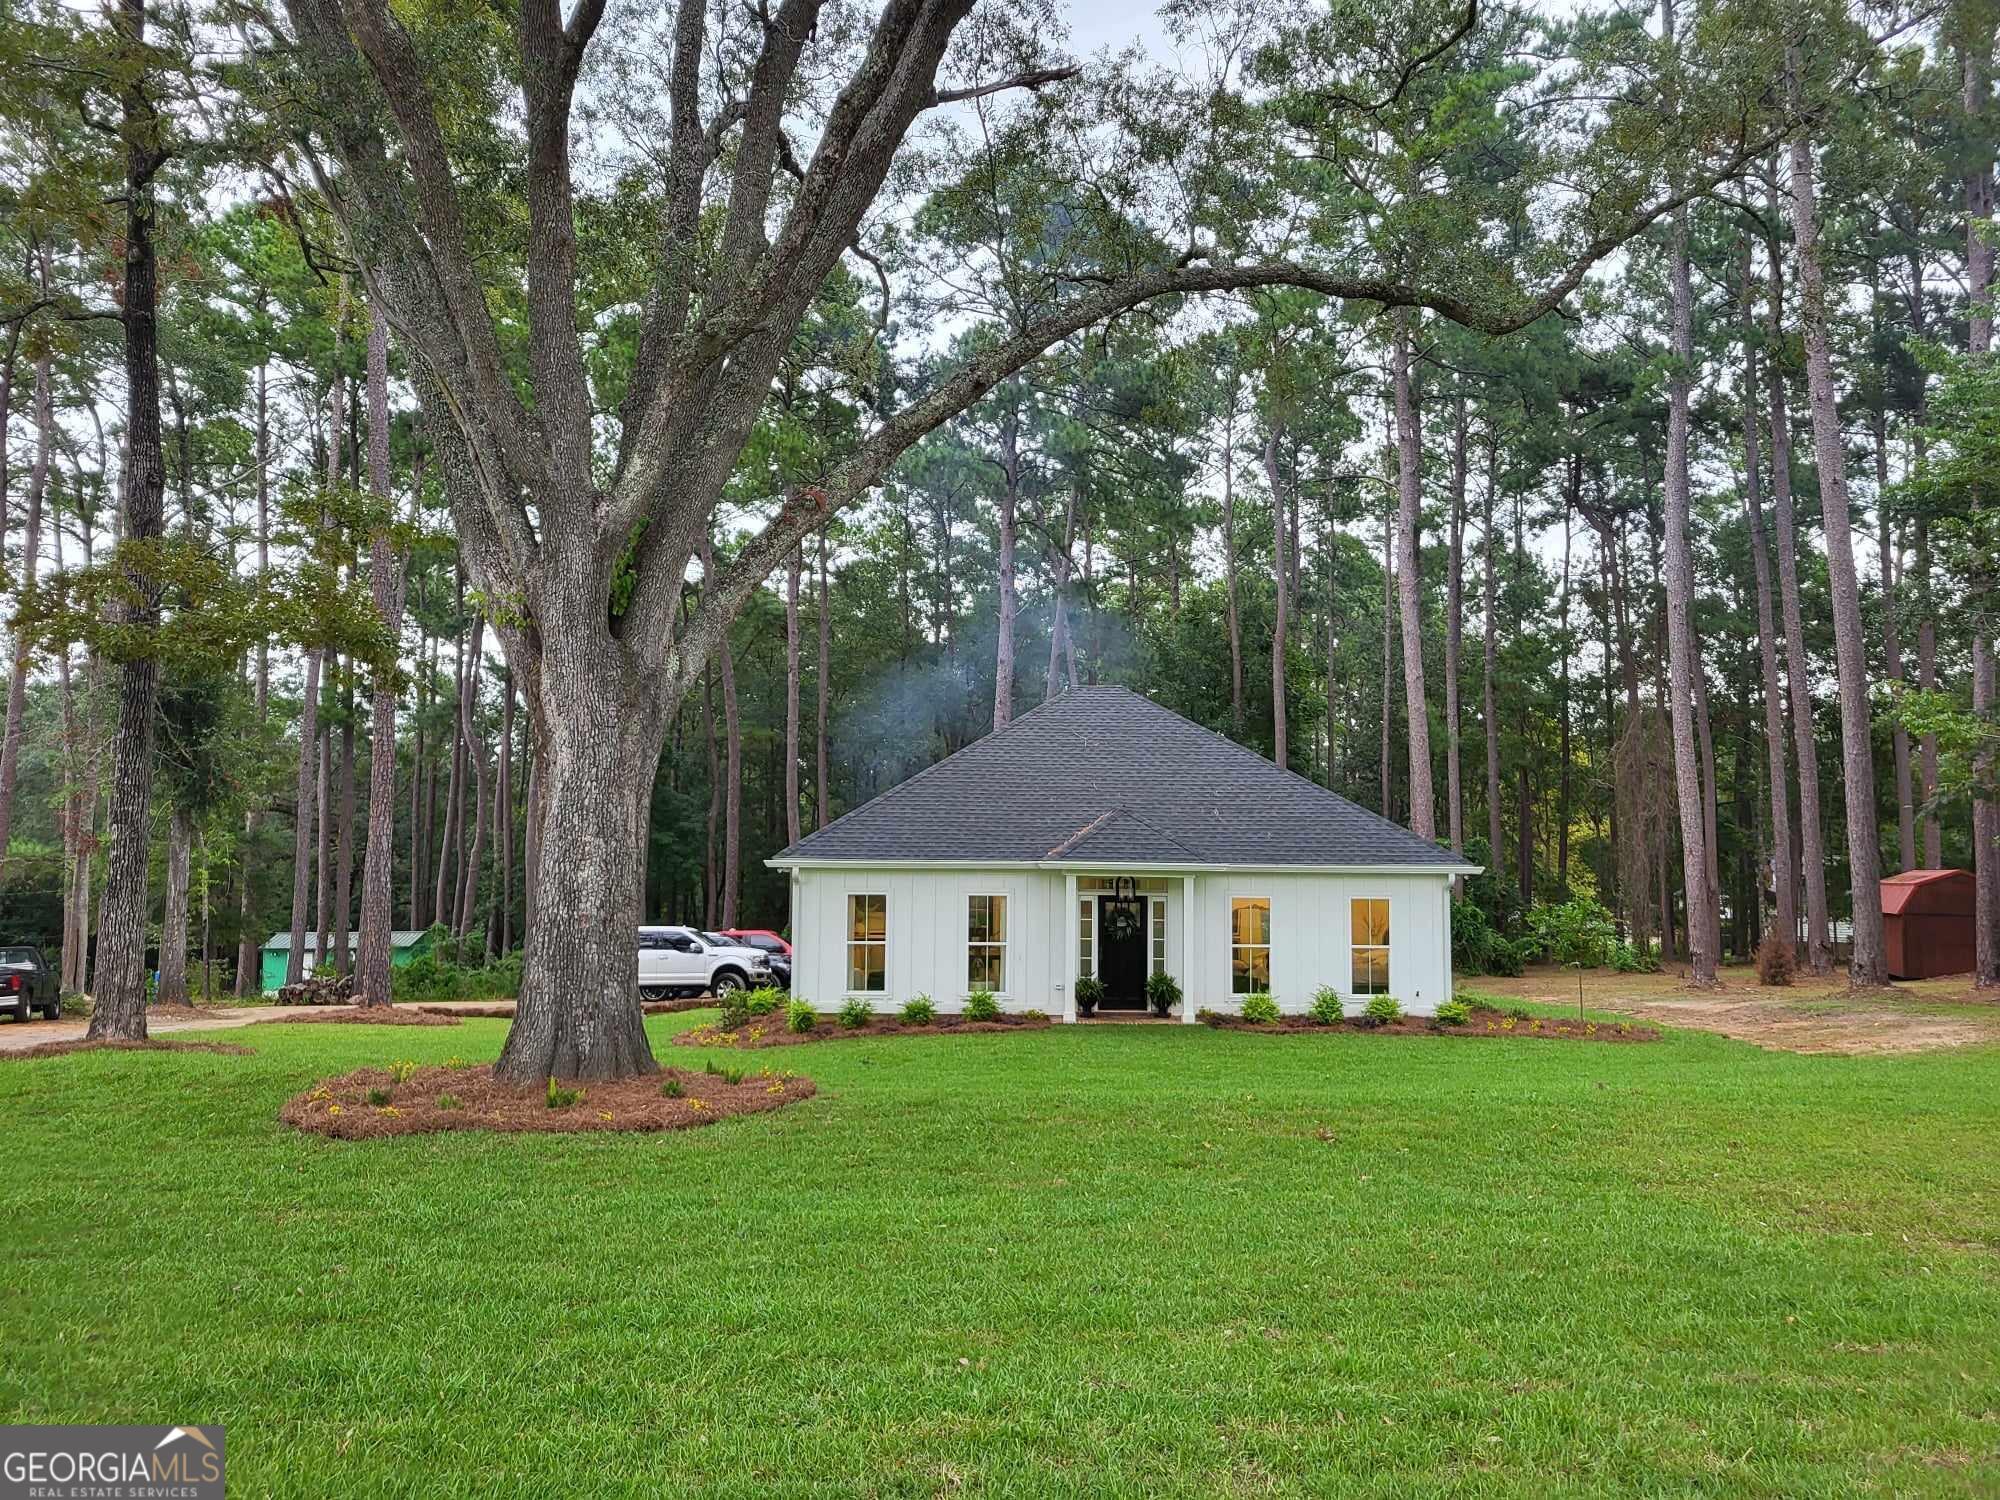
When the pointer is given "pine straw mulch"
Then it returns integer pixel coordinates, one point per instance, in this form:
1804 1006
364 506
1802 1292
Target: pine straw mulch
1485 1022
503 1010
772 1030
151 1044
365 1015
342 1108
159 1012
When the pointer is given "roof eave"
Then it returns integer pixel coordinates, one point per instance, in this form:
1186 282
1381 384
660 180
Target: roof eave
1154 866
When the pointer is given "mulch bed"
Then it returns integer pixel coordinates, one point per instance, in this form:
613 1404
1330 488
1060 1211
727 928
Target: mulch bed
771 1030
1484 1022
371 1015
158 1012
341 1107
503 1010
161 1044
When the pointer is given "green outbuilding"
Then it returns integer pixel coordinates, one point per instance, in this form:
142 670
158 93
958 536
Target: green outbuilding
403 946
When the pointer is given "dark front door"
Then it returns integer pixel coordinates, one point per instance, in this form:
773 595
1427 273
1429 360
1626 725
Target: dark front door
1121 951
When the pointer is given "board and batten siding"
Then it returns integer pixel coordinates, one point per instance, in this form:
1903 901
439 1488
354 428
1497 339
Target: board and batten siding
1310 934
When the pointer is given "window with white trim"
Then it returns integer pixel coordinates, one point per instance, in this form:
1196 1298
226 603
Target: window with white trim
1159 934
1368 918
1250 945
867 944
1086 937
986 943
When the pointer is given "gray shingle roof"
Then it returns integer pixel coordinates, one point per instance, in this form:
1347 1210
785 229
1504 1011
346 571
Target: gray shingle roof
1100 774
400 938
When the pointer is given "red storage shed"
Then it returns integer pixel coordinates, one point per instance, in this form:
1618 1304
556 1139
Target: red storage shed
1927 918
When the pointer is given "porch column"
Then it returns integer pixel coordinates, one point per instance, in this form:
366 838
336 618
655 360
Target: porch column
1187 950
1066 936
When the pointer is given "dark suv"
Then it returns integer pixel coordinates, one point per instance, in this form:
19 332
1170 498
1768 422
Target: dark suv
27 984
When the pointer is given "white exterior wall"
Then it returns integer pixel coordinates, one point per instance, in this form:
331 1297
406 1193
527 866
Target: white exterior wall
1310 930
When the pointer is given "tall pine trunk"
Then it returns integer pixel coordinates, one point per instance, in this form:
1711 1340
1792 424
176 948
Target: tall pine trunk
1009 599
792 571
374 952
823 693
1867 966
31 545
1454 635
173 986
1409 581
1281 602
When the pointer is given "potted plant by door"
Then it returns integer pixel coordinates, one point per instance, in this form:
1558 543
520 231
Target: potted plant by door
1163 992
1089 994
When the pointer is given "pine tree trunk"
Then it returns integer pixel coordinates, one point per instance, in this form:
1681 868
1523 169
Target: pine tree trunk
1389 610
343 878
1892 647
1684 662
467 894
502 932
323 891
1009 601
1977 49
1409 581
792 571
374 950
173 986
445 887
711 867
119 1002
1280 596
302 843
31 545
1229 567
1454 636
1784 869
732 797
1819 956
1490 659
1867 967
822 805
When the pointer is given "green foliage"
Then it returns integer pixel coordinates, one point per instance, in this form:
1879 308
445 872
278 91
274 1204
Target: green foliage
1259 1008
854 1013
1454 1012
1089 994
763 1000
402 1072
1163 992
378 1096
672 1089
439 973
981 1006
560 1097
1381 1010
1577 933
726 1074
800 1017
918 1011
1629 959
1327 1009
449 1101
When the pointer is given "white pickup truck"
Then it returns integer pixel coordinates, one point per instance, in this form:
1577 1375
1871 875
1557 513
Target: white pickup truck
676 961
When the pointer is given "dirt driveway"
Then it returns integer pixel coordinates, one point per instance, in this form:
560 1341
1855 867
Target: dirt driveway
1812 1015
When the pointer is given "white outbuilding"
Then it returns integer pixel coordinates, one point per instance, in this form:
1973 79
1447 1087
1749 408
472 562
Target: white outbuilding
1102 835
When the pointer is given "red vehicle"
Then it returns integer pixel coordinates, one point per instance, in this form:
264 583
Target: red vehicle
761 938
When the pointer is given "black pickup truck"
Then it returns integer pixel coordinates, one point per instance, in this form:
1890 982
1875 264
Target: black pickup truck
27 984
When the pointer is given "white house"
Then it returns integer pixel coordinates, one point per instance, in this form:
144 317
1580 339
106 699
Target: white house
1101 834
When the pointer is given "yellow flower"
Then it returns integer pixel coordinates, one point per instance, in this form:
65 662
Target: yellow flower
333 1109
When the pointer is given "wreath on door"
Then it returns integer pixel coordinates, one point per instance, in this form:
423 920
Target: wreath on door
1124 915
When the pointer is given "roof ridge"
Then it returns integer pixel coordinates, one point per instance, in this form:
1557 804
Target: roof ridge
912 780
1306 781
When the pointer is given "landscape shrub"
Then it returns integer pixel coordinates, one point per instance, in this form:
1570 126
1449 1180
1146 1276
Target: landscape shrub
671 1089
727 1075
919 1011
560 1097
378 1096
800 1016
402 1072
1454 1013
448 1101
450 969
855 1013
1777 961
763 1000
1381 1010
1626 958
1259 1008
981 1006
1089 994
1578 932
735 1011
1326 1007
1163 993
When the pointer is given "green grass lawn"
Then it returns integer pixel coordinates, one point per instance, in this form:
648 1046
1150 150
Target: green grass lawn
1086 1261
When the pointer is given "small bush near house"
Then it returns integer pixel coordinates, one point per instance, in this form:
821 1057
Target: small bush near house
855 1013
800 1016
560 1097
981 1006
1089 994
1259 1008
1454 1013
763 1000
671 1089
918 1011
1326 1008
1163 993
735 1014
1776 960
1036 1016
1381 1010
